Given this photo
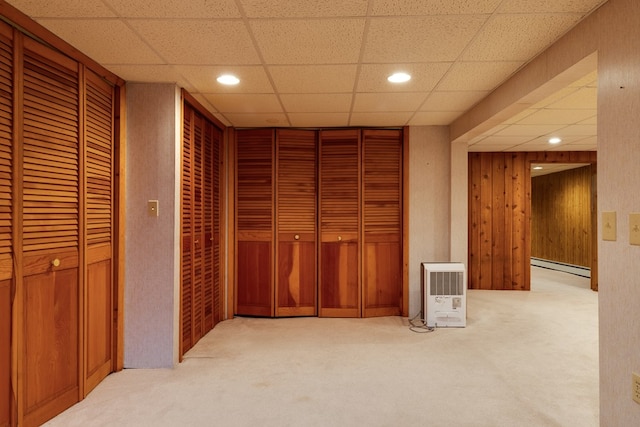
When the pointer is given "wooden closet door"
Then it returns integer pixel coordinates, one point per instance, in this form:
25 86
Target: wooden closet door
6 218
49 353
186 232
340 294
208 268
296 273
382 222
99 207
216 187
197 249
254 222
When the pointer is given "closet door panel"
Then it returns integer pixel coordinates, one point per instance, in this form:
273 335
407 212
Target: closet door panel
382 222
50 233
6 218
216 187
50 361
296 288
254 223
197 250
5 352
340 223
99 206
186 232
208 268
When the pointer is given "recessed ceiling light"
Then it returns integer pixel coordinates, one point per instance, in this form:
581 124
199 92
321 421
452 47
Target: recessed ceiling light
537 168
555 140
399 78
228 79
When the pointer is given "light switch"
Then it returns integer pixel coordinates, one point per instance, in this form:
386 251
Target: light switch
609 226
634 228
152 207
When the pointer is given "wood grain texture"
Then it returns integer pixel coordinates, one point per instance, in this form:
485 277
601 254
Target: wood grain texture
561 216
5 352
382 222
339 204
500 215
255 222
296 198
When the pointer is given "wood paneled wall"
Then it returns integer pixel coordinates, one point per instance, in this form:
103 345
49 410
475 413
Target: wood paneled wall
561 216
500 214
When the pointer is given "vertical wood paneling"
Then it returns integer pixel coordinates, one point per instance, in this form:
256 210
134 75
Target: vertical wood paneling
254 222
561 216
216 184
500 215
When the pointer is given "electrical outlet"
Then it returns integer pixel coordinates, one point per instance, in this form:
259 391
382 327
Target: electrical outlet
152 208
636 387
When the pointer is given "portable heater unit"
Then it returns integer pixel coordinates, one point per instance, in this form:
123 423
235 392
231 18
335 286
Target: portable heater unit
444 292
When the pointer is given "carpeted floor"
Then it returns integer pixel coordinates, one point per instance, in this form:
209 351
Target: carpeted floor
524 359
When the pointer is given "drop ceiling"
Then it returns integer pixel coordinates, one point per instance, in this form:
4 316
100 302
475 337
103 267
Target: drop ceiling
324 63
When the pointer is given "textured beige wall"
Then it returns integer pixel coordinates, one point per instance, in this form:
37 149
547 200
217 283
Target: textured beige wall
151 244
429 202
618 183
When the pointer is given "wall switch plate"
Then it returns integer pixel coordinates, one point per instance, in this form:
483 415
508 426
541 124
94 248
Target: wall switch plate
636 387
609 231
634 228
152 207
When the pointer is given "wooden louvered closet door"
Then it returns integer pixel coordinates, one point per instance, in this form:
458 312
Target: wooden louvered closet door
254 222
49 354
6 218
296 288
99 208
200 275
340 293
382 222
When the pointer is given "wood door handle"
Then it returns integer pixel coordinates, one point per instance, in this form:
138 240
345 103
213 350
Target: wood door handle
55 262
296 237
339 238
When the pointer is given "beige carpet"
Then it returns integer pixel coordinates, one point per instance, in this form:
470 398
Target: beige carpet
525 359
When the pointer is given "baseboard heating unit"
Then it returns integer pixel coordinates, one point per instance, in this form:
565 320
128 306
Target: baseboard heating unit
444 292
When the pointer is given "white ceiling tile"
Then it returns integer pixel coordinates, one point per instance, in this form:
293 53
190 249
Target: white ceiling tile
520 116
583 98
433 7
590 121
257 119
313 78
424 77
578 130
452 100
371 102
317 103
482 76
326 41
419 39
319 119
517 37
572 147
545 6
244 103
557 117
253 79
303 9
63 8
379 119
488 148
108 41
433 118
533 131
218 42
554 97
175 9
